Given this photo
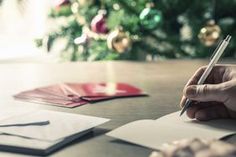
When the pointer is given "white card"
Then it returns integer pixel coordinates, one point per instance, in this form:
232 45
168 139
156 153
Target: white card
60 125
154 133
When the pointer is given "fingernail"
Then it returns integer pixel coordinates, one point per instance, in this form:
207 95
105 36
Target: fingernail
182 101
191 91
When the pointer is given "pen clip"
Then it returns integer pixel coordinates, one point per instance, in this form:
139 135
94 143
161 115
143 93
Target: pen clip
218 46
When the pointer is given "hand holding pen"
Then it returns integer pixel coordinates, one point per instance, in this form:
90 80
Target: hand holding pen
217 97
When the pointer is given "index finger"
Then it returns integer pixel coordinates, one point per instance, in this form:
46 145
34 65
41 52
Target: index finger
196 76
192 81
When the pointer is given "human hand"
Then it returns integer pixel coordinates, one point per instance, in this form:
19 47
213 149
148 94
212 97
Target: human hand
216 98
196 148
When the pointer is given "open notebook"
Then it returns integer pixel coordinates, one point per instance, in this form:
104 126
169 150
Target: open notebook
154 133
40 132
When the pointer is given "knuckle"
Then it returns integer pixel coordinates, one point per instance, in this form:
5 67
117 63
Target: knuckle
202 90
229 74
203 68
200 71
205 90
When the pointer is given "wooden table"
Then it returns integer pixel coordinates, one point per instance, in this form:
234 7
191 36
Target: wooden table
163 81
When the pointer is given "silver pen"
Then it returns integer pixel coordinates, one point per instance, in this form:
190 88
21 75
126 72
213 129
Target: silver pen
216 56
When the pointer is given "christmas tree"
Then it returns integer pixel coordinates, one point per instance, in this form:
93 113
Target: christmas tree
140 29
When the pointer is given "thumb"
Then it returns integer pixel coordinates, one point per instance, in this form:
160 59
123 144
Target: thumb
206 92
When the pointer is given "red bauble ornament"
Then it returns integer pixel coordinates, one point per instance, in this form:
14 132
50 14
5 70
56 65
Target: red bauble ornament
98 23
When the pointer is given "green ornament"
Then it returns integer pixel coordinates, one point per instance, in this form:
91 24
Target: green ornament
150 18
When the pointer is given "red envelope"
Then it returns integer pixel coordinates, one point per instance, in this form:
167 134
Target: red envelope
32 96
101 91
77 94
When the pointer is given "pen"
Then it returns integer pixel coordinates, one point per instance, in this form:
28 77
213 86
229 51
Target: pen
216 56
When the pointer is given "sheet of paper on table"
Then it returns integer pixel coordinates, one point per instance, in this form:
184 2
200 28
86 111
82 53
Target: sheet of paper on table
42 139
154 133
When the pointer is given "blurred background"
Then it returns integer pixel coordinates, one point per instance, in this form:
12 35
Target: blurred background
90 30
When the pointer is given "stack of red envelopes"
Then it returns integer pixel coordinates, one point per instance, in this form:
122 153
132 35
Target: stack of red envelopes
77 94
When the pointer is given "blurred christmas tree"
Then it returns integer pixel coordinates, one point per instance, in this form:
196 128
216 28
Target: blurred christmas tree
137 29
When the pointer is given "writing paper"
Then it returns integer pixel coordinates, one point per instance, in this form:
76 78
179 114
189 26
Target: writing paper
61 129
61 124
169 128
